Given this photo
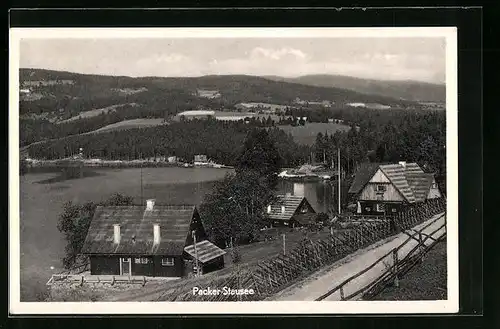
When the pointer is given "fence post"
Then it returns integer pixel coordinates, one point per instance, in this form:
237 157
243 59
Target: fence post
422 246
395 266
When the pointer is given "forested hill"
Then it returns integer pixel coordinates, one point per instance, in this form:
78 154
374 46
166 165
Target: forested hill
74 89
409 90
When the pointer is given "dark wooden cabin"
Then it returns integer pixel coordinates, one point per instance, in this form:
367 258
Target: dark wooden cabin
148 241
292 211
385 189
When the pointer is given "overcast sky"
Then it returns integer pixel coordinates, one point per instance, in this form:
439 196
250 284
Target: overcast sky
421 59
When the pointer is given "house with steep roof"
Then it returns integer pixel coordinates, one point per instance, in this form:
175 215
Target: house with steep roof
155 240
385 188
291 210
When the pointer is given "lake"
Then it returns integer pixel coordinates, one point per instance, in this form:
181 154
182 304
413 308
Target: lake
43 194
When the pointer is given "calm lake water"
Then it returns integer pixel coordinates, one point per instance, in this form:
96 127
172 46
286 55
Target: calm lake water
44 192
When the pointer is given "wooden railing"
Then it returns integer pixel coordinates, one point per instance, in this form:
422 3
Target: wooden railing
395 268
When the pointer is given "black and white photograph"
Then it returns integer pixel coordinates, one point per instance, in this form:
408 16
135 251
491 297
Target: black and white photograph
309 170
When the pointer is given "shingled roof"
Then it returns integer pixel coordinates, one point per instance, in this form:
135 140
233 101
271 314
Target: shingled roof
410 180
290 202
205 250
363 175
396 174
136 230
420 184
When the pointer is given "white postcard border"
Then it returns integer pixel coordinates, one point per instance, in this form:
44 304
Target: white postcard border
282 307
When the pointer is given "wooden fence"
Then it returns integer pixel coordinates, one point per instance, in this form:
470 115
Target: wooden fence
393 271
273 275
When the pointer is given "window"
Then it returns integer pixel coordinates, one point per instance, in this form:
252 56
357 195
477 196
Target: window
141 260
167 261
381 188
434 186
380 207
368 209
394 209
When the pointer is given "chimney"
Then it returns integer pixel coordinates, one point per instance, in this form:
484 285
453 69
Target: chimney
403 163
282 209
116 236
156 234
269 209
150 203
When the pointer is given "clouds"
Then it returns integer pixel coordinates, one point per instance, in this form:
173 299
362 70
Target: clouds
277 54
421 59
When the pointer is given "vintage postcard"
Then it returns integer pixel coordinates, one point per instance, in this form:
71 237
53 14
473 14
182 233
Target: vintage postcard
283 170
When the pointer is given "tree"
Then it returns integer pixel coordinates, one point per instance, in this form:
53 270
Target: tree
260 155
223 216
380 153
235 208
74 223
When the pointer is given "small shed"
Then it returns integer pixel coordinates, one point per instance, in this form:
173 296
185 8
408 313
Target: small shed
209 256
290 210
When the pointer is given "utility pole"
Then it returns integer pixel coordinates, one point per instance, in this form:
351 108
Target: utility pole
193 233
338 153
142 199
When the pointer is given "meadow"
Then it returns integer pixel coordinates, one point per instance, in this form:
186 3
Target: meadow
96 112
129 124
307 134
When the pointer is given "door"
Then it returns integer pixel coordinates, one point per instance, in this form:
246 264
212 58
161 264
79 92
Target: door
125 266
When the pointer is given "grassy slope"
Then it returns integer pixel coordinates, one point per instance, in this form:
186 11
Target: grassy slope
129 124
426 281
307 134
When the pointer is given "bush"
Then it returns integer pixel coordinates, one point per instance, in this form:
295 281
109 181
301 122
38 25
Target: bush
235 256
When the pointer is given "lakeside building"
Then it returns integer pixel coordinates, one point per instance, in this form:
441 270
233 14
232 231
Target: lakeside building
155 241
386 188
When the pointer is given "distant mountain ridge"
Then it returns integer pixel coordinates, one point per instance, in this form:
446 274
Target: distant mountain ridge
233 88
407 90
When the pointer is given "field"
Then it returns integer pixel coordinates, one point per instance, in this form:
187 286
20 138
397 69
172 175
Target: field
42 245
96 112
307 134
128 124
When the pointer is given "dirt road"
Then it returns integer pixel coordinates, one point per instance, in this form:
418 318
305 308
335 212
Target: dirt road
326 279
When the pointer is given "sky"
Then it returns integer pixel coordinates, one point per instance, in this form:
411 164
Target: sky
420 59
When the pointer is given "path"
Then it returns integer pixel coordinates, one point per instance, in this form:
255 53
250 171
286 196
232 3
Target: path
326 279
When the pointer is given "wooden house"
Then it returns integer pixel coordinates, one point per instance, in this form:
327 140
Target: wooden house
290 210
385 188
154 240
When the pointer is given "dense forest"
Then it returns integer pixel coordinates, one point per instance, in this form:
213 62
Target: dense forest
220 141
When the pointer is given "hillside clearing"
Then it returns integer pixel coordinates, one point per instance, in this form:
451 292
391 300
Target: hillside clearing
307 134
130 124
96 112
